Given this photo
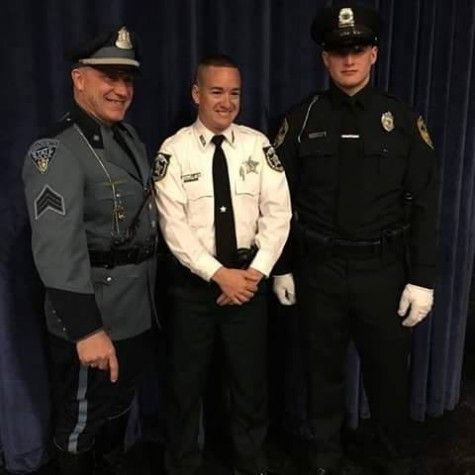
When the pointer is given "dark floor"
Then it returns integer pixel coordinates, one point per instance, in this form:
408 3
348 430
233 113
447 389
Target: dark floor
448 448
446 445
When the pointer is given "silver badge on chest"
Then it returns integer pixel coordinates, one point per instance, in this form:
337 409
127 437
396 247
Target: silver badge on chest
387 121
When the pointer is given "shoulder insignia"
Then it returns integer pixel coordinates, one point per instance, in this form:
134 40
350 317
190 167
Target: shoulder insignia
284 128
161 166
48 199
42 153
272 159
424 132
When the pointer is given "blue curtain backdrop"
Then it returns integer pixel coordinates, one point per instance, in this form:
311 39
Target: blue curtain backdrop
426 58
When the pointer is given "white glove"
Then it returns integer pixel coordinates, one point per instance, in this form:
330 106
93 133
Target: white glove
419 299
284 288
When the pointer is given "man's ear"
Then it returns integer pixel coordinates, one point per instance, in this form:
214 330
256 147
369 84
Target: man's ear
77 77
325 58
195 94
374 54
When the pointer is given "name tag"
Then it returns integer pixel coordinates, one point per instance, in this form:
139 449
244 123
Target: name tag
191 177
317 135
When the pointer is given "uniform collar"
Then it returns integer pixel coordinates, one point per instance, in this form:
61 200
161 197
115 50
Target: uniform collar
362 98
204 135
90 127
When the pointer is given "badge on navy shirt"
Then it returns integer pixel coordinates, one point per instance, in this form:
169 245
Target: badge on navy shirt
161 166
42 153
387 120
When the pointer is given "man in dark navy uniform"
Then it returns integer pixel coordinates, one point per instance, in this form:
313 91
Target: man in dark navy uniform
93 220
361 261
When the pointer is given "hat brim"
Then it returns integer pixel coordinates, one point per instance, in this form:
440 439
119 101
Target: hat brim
109 62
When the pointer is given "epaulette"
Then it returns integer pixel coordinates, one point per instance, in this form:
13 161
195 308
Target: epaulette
394 98
303 104
53 131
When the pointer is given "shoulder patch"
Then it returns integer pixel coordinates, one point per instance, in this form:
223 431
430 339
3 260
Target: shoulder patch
48 199
161 166
284 128
424 132
42 153
272 159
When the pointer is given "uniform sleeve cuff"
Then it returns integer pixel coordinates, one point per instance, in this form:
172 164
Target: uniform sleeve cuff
423 276
207 267
77 312
263 262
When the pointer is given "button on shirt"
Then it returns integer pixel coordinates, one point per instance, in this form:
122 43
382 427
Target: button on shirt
185 197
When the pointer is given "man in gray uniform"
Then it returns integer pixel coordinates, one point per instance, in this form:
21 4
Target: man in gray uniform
94 238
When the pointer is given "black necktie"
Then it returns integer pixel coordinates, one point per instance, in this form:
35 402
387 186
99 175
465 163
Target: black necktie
225 230
351 185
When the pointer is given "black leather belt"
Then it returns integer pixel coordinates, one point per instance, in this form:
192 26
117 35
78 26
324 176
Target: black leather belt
392 240
121 257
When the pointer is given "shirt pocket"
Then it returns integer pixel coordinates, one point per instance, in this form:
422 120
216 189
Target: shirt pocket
250 185
200 203
387 160
318 161
105 191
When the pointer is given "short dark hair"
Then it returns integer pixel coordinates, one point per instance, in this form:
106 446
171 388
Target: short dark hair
219 60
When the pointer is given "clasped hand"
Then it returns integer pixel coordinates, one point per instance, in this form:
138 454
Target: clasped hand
238 286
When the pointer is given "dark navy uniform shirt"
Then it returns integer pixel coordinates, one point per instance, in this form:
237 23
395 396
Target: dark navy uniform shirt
351 160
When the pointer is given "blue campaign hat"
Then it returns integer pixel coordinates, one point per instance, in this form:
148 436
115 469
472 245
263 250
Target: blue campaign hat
341 27
118 47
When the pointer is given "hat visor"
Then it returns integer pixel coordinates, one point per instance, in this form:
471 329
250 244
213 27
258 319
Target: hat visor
110 62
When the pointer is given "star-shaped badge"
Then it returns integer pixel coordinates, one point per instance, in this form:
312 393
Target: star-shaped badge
249 166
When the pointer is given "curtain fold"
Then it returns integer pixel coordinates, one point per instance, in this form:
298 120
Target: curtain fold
426 58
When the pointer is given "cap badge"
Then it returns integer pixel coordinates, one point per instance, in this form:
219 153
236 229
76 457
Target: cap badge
123 39
346 18
387 120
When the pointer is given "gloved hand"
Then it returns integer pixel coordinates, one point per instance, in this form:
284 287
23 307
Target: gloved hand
284 288
420 299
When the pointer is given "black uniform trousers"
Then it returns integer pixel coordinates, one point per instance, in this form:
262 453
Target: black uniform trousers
85 399
195 321
341 299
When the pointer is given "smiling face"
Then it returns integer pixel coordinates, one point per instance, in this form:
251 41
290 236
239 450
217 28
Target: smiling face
106 94
217 93
350 68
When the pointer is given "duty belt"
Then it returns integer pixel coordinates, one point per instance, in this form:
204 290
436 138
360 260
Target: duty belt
392 240
121 257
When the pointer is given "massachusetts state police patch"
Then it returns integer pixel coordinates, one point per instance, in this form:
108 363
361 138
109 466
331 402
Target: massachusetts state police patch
42 153
272 159
48 199
161 166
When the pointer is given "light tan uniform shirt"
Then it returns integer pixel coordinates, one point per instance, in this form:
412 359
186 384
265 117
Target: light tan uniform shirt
185 197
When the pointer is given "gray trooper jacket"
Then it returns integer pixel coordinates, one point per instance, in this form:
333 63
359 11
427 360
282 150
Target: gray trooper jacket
93 227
